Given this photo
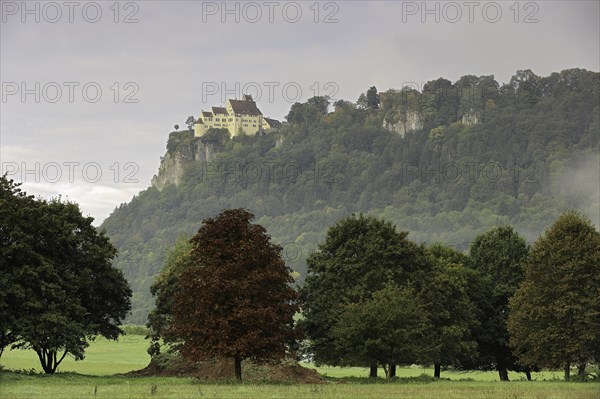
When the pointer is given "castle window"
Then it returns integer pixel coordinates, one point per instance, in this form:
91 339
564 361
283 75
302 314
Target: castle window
217 119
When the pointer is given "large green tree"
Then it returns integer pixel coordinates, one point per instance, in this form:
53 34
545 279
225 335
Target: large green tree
373 98
453 313
64 289
307 113
554 318
360 256
369 100
234 298
391 326
498 255
164 288
15 249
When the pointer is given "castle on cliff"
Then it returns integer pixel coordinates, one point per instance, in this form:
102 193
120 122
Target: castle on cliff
238 116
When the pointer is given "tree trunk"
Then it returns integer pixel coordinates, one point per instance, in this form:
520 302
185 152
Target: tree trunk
42 356
385 370
49 360
528 374
503 373
238 367
437 370
373 371
392 370
567 371
46 360
581 370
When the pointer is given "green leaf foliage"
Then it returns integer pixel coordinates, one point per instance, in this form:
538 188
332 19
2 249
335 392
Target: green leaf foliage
554 315
498 255
164 289
450 301
390 327
359 256
64 289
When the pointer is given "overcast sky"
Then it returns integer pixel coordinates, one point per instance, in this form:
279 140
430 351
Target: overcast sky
90 90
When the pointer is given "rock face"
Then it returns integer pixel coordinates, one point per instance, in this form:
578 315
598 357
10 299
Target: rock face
410 121
173 163
470 118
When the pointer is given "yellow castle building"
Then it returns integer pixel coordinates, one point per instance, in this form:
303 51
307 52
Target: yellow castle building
238 116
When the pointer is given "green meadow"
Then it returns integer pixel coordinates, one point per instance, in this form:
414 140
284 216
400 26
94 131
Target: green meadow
98 376
102 358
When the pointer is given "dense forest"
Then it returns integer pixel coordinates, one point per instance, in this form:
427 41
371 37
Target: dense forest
445 163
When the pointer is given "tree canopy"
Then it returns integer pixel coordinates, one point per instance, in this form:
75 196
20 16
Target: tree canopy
63 287
449 299
554 317
498 255
390 327
359 256
15 248
163 290
234 298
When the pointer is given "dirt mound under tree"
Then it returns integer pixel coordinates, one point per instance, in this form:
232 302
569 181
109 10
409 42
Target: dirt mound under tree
215 370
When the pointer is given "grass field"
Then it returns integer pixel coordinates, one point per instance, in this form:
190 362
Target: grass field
415 371
102 357
95 378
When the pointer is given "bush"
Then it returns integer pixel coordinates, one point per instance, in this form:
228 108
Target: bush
133 329
166 359
217 137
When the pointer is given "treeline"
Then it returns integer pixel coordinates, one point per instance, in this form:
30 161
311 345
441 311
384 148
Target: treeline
374 298
482 154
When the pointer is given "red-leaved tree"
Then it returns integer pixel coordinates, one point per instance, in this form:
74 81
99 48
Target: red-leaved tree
234 298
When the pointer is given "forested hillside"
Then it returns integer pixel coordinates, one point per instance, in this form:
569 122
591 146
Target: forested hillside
445 164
